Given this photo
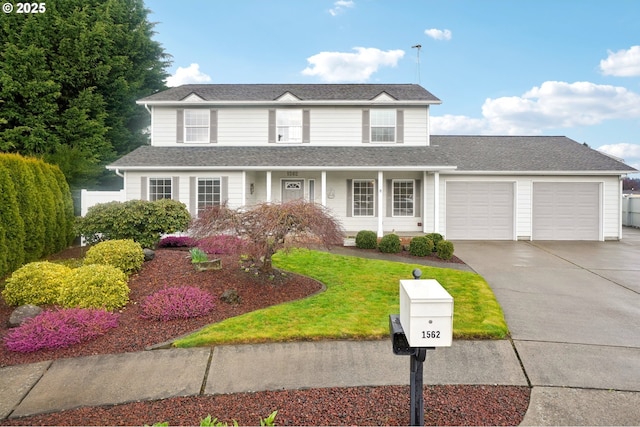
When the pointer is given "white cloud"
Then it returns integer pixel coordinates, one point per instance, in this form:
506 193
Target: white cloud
552 105
351 67
623 63
438 34
191 74
457 125
340 5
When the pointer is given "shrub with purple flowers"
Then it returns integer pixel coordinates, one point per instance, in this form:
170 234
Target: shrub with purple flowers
176 242
177 303
60 329
221 244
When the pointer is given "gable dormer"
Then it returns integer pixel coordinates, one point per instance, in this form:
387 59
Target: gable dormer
384 97
287 97
193 97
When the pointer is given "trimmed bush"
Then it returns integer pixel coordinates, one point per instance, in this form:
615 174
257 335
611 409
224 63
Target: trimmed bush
421 246
435 238
177 303
139 220
444 249
126 255
366 239
390 244
35 283
95 286
60 329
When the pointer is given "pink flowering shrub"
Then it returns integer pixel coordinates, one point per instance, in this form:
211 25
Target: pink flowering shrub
177 303
60 329
222 244
176 242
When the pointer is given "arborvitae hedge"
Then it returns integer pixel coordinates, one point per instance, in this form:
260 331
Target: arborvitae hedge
36 218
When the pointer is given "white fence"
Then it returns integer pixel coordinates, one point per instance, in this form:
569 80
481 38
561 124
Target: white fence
90 198
631 211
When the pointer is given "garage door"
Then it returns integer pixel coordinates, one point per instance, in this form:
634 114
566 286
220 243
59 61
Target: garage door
479 210
566 211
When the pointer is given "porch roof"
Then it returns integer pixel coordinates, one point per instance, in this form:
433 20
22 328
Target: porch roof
456 154
284 157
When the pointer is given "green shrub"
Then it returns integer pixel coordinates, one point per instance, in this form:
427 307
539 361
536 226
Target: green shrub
139 220
435 238
390 244
95 286
366 239
421 246
35 283
11 224
444 249
126 255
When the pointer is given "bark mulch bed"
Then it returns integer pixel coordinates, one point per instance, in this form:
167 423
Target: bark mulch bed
387 405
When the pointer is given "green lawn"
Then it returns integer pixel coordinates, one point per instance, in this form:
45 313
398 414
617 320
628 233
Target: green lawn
360 295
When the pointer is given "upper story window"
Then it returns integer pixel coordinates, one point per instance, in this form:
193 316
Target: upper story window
196 125
383 125
289 125
159 188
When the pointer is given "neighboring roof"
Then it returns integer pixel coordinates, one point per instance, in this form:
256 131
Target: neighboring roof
525 153
499 154
304 92
284 157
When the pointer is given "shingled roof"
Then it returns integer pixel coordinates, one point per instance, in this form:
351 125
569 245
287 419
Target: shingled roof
304 92
518 154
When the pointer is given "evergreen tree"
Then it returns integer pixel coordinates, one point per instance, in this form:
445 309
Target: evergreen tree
69 79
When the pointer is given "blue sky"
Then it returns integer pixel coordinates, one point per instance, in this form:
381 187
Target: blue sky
506 67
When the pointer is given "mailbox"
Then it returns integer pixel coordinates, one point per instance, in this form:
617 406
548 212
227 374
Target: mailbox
426 313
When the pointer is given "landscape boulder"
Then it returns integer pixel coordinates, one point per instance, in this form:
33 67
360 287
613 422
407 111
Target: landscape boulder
23 313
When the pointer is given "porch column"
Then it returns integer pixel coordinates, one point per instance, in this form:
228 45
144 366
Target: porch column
268 187
425 201
436 202
243 195
323 188
380 203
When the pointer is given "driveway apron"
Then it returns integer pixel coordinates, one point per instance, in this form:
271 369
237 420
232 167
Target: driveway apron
573 308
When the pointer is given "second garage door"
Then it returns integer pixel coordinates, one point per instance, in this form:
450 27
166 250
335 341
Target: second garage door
479 210
566 211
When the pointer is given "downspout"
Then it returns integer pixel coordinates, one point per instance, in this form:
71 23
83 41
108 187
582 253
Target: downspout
117 171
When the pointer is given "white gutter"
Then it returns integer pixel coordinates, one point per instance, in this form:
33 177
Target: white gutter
288 168
276 103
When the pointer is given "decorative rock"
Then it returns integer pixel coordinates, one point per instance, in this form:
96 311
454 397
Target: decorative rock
22 313
149 254
230 296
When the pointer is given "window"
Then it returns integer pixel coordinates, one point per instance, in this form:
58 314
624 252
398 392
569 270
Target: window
159 188
209 193
289 125
363 197
196 125
383 125
403 197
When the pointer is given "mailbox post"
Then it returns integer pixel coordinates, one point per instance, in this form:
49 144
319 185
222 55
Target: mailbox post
424 323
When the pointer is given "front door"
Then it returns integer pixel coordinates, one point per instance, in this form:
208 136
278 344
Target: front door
292 189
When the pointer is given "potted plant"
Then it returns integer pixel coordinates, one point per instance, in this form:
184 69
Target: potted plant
201 261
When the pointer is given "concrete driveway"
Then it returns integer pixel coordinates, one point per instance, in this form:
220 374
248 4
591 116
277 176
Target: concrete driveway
573 309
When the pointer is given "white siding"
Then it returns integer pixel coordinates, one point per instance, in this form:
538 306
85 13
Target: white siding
336 126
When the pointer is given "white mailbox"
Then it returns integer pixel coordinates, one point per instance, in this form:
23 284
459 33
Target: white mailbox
426 313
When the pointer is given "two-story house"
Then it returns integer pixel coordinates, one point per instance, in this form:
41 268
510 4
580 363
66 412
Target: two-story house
365 152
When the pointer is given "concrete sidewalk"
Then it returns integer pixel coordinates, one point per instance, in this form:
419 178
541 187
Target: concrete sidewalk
150 375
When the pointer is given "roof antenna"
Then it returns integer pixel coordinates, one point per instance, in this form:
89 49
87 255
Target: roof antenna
418 47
